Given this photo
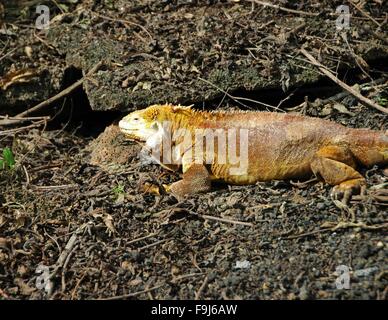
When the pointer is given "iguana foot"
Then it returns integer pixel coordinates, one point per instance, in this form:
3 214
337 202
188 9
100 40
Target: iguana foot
195 180
346 189
151 188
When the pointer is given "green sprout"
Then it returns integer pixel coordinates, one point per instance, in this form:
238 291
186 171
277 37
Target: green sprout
382 101
118 190
8 160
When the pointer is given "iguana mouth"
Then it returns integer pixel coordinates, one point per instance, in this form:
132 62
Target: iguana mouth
130 134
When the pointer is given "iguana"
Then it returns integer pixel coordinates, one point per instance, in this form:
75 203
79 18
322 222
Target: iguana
280 146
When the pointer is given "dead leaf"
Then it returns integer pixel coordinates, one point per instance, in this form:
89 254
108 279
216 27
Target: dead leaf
327 109
22 270
120 198
108 220
25 289
28 51
4 243
128 266
135 282
194 69
20 219
341 108
2 221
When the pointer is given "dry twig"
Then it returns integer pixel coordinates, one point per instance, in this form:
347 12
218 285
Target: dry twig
275 6
340 225
133 294
364 13
201 288
237 99
205 216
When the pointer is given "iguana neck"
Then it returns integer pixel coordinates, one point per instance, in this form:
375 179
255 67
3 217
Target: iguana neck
184 119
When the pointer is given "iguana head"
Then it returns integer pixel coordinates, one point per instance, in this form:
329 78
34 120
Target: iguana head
141 125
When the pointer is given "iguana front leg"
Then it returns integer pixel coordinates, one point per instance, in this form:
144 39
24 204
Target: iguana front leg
336 166
196 179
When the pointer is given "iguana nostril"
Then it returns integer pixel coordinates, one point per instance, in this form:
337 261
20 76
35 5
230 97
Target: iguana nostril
123 124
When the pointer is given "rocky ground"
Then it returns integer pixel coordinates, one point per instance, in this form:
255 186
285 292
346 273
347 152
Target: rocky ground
102 237
74 221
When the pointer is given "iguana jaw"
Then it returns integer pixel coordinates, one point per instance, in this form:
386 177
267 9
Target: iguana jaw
132 136
136 128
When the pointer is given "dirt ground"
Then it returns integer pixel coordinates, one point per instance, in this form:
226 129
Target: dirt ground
101 237
75 223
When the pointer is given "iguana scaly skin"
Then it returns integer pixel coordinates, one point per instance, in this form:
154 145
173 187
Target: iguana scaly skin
280 146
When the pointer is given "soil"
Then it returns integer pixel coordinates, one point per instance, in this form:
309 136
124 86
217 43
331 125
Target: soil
128 241
75 222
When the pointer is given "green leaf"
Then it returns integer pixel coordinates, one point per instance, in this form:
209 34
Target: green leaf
118 190
1 164
63 7
8 158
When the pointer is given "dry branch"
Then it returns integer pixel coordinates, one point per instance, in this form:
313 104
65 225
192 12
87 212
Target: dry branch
330 75
58 96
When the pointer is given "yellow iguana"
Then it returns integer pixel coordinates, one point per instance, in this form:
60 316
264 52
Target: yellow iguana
270 146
